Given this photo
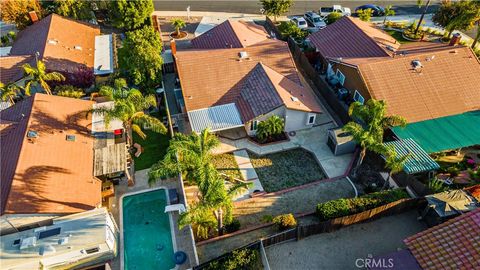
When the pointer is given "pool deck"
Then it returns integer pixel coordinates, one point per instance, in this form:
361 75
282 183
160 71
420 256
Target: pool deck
183 238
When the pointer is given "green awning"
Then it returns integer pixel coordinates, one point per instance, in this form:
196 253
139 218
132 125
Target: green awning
419 160
445 133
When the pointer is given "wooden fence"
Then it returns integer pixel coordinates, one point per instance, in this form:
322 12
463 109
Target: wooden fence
320 85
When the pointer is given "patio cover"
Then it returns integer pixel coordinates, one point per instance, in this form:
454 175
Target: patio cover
98 119
419 160
445 133
103 56
451 202
110 159
216 118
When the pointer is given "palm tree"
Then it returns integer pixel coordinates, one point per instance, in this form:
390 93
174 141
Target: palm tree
388 12
40 76
272 126
394 162
372 122
192 155
178 24
9 91
420 4
477 36
130 110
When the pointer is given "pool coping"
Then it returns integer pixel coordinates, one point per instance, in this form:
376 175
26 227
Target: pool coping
174 240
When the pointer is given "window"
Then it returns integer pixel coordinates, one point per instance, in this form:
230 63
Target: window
311 119
253 125
341 77
358 97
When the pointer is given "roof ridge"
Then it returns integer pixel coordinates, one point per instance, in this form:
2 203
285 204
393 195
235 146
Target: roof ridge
229 22
351 20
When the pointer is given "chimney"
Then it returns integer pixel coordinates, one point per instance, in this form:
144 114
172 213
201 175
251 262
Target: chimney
455 39
173 46
33 16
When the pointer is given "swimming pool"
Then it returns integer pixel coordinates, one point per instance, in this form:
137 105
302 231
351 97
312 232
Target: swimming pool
147 234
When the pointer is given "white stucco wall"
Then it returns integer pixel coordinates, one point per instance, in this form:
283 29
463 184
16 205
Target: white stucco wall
296 120
280 111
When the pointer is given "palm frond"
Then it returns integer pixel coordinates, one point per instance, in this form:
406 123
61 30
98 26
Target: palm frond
137 129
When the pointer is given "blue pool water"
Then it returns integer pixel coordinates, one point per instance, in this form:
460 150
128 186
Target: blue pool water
146 232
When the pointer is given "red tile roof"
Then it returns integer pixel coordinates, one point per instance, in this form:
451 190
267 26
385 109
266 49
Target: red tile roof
50 174
231 34
447 84
454 244
352 38
11 67
62 43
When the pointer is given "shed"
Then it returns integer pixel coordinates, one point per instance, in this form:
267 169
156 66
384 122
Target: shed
340 142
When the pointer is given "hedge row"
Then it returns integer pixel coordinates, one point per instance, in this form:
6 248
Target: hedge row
345 207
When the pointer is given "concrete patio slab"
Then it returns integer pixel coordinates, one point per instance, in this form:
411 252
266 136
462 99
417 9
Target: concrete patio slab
247 171
241 157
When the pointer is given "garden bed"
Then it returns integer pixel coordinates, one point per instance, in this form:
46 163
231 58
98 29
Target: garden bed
282 137
226 164
286 169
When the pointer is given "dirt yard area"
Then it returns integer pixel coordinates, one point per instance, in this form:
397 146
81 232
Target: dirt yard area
340 249
167 28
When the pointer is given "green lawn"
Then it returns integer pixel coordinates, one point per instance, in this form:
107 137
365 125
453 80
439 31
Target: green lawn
398 36
225 163
286 169
154 148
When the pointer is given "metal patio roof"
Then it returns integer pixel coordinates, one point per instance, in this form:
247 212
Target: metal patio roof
419 161
216 118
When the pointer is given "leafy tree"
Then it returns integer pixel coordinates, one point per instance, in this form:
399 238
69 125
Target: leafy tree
420 4
192 155
333 17
372 122
394 162
69 91
178 24
460 15
388 12
140 58
276 8
16 12
435 185
272 126
365 14
130 15
129 108
9 91
39 76
477 36
290 29
76 9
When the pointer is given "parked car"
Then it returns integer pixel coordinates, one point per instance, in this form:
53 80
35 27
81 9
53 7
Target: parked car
378 11
300 22
315 20
324 11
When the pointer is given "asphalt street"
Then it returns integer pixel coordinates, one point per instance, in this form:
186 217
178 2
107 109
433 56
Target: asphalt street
299 7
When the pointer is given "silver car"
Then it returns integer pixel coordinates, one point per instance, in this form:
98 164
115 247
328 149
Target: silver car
315 20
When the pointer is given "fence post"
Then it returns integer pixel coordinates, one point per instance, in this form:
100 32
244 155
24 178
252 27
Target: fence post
298 232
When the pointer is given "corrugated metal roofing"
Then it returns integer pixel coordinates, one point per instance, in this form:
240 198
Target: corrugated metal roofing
419 160
216 118
445 133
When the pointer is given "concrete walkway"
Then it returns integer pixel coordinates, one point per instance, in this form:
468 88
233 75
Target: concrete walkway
248 173
313 140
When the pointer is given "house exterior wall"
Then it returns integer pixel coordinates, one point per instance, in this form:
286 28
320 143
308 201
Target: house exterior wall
353 80
280 111
297 120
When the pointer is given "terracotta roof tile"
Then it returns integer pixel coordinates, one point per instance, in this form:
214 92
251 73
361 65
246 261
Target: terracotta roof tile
62 43
11 67
231 34
352 38
51 175
214 77
447 84
454 244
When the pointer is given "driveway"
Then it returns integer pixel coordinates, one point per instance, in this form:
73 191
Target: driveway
340 249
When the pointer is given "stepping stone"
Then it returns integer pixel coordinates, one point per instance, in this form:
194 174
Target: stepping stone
241 157
247 171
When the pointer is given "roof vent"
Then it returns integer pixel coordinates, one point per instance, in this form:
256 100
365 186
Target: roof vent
32 134
295 99
52 41
243 55
70 138
76 47
428 59
417 64
63 240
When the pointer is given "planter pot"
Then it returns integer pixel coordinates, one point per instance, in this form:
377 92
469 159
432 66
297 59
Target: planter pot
183 35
